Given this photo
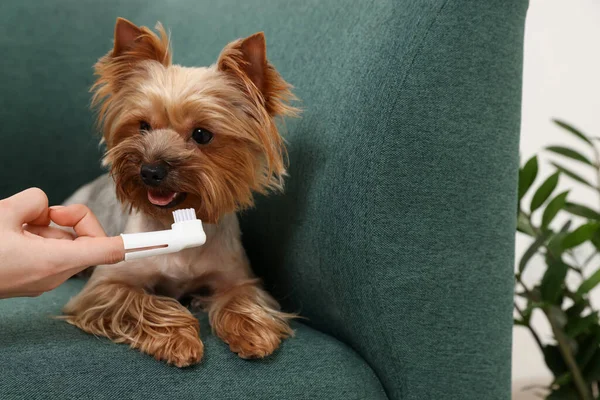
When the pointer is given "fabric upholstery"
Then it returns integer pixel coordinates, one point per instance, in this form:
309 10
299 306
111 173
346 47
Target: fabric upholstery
395 234
44 358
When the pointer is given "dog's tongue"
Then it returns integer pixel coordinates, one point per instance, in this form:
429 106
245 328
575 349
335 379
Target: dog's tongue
160 198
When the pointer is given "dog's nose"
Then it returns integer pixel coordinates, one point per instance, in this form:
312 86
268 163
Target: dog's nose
153 174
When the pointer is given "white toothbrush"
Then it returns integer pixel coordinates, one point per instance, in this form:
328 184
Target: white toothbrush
185 232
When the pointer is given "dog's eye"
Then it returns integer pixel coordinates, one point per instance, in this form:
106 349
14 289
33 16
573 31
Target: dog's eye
145 127
202 136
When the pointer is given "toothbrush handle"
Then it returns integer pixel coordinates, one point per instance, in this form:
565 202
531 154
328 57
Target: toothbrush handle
184 234
144 253
142 240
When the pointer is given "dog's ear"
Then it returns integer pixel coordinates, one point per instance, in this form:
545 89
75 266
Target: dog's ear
246 60
132 45
126 32
140 43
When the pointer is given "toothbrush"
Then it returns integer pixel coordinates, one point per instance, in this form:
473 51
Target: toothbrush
185 232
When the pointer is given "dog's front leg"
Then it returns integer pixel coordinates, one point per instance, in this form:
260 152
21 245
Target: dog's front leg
247 318
116 306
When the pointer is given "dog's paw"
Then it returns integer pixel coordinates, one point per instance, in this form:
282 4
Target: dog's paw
186 353
248 319
178 348
250 350
158 326
250 338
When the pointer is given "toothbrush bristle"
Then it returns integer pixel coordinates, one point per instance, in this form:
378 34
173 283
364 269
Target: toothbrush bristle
187 214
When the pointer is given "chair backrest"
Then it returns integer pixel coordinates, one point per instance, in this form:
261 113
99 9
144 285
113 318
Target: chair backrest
396 231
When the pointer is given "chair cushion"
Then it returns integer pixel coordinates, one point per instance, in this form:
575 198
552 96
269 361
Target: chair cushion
45 358
396 231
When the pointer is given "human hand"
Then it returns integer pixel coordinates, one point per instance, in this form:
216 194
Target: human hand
35 257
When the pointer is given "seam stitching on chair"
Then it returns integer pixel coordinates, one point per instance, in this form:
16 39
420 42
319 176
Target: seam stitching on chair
373 167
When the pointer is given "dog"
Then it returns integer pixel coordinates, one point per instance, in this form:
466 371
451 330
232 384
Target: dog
176 137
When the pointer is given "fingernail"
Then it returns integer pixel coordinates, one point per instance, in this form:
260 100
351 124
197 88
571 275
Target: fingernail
56 207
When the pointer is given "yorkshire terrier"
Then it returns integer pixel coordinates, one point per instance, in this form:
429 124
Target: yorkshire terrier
178 137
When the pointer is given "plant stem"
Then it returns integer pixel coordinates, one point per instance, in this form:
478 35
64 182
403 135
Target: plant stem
525 288
537 231
563 346
577 268
572 268
533 333
561 340
587 260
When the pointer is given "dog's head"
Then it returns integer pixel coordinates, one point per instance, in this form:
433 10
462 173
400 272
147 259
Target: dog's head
181 137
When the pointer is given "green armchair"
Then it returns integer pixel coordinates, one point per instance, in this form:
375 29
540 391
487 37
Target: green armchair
395 235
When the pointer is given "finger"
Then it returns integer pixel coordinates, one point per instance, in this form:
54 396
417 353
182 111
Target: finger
86 251
78 217
27 207
48 232
31 235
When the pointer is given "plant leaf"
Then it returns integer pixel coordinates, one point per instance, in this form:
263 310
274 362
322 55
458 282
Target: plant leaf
565 227
596 240
526 318
544 191
530 252
573 130
558 316
582 234
563 379
564 393
576 309
587 348
589 283
581 211
552 281
519 322
524 226
579 325
570 153
554 246
528 311
553 207
596 331
533 295
572 175
592 371
554 360
527 175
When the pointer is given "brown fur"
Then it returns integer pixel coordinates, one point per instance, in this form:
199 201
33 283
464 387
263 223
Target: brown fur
249 320
247 154
155 325
132 45
238 99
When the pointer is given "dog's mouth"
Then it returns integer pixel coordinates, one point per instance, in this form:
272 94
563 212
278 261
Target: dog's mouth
165 199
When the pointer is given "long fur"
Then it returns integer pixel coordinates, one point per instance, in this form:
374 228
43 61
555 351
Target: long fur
248 154
155 325
114 69
238 99
235 315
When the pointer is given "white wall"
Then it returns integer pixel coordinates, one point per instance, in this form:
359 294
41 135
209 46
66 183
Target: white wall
561 79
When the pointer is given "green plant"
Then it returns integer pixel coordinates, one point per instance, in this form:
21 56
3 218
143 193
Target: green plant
574 357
